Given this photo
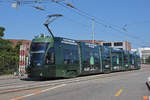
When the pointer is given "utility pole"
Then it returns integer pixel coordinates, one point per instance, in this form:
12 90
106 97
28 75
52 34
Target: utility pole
93 31
126 40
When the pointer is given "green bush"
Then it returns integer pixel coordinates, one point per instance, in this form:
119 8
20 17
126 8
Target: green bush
9 55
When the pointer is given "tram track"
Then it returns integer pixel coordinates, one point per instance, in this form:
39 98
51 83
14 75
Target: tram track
29 86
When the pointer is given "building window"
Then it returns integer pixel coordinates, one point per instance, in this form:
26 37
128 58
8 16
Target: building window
118 44
106 44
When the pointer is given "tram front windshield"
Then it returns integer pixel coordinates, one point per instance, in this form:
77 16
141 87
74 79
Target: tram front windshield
37 53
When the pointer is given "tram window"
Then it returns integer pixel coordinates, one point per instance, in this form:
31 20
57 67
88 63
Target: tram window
50 58
87 56
120 59
126 59
96 57
131 59
70 56
114 59
67 56
75 57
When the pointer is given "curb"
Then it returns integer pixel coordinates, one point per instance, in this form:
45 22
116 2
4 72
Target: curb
5 77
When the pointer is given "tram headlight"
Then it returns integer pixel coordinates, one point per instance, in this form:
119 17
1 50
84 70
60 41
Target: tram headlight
126 65
38 64
106 66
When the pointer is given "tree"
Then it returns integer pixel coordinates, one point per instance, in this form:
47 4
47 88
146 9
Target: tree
9 55
42 35
148 60
17 47
2 29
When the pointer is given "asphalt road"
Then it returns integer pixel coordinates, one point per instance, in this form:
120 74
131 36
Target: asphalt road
129 86
121 86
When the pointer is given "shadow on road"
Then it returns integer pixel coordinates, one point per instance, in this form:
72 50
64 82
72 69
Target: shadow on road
40 79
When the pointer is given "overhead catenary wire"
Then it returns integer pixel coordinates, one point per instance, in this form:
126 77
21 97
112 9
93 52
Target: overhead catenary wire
97 20
77 22
81 13
69 19
86 15
108 26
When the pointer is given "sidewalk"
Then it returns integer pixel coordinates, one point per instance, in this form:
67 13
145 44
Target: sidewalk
5 77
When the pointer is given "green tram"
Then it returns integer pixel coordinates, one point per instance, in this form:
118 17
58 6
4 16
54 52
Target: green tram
52 57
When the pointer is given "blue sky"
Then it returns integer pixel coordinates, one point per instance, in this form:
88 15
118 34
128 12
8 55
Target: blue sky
26 21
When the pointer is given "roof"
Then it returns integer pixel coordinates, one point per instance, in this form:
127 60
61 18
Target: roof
24 42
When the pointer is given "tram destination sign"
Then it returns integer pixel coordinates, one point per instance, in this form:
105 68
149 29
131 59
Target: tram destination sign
68 41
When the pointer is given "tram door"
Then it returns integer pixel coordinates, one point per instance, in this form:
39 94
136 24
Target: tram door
90 58
106 59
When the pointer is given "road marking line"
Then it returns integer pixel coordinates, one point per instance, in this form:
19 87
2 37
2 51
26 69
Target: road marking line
13 90
18 98
38 92
145 97
29 95
63 81
29 91
119 92
53 87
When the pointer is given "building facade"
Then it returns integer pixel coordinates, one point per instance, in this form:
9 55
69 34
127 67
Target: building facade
91 41
144 53
124 45
23 54
26 43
